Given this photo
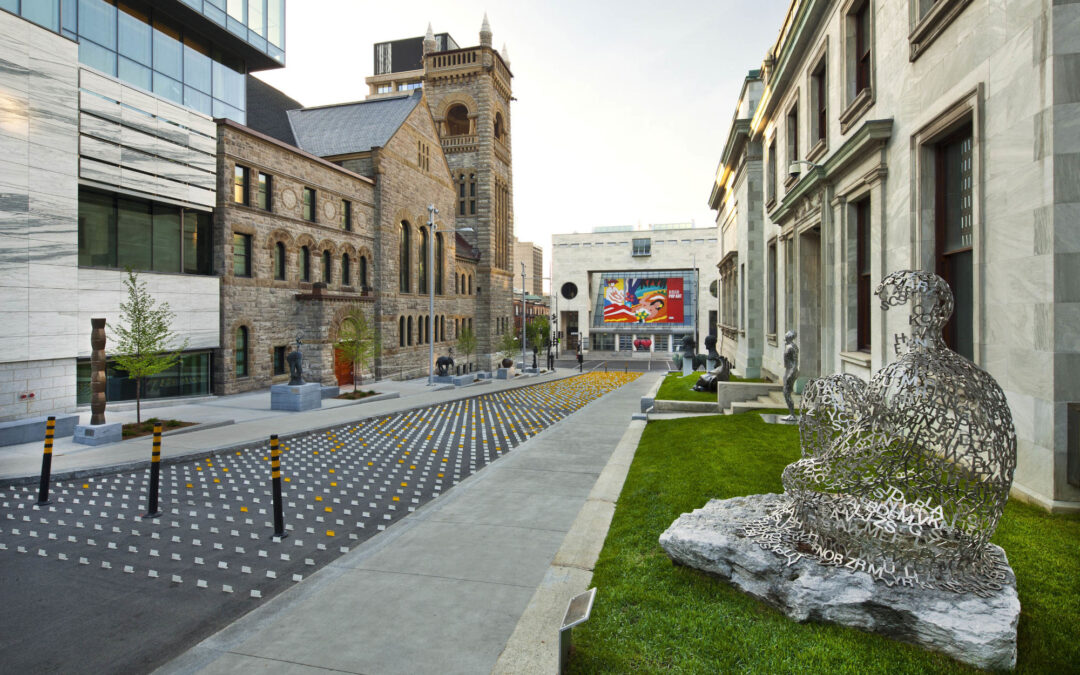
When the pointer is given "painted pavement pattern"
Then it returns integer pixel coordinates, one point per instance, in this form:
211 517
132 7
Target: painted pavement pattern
211 550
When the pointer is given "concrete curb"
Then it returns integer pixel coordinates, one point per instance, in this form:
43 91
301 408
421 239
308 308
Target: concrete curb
534 645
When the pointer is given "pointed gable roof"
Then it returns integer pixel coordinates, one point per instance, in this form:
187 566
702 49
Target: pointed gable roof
347 128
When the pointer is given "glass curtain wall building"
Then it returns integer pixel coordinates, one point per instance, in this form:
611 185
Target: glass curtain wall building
153 46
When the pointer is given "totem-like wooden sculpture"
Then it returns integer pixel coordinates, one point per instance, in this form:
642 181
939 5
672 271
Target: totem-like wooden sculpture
97 371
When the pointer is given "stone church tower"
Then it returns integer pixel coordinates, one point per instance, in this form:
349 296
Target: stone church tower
468 90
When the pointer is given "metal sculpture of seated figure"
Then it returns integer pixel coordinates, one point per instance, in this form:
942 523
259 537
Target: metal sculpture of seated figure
296 366
443 364
904 477
791 372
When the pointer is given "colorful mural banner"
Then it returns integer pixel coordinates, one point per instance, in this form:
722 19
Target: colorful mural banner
629 300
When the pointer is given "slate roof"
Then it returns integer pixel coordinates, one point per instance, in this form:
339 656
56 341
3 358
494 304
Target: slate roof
266 108
347 128
464 249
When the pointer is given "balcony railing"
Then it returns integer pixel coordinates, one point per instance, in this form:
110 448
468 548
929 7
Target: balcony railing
460 143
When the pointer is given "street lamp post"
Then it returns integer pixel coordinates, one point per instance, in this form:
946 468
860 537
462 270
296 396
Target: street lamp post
432 212
523 317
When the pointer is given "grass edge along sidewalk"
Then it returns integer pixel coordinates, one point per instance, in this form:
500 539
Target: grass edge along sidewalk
653 616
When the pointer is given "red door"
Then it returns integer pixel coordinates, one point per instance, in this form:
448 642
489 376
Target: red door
342 368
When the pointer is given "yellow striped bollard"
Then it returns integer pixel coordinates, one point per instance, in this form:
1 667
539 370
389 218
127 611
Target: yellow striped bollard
275 468
46 463
152 510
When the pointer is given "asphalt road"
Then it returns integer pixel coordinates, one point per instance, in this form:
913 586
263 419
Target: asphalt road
86 585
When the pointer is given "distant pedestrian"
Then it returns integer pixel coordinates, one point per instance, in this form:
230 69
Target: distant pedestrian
580 361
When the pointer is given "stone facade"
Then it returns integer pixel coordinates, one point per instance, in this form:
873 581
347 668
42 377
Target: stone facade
273 311
979 94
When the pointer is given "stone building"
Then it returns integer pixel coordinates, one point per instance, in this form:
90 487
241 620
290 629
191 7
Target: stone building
674 261
108 163
935 135
294 242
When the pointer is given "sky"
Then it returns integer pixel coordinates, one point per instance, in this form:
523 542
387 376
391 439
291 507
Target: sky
622 108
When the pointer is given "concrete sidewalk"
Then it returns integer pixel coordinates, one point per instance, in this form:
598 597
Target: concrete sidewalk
246 419
476 580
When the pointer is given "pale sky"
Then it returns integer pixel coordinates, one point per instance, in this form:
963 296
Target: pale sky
622 107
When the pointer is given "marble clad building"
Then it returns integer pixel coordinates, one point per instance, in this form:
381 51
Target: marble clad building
108 162
879 136
583 262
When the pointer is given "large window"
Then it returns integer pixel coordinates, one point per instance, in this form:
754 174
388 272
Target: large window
346 270
771 281
279 360
793 133
190 376
241 255
346 215
423 279
404 258
279 261
862 273
241 351
309 204
953 220
305 264
120 232
241 184
326 271
770 177
363 273
457 121
862 47
642 247
439 263
819 104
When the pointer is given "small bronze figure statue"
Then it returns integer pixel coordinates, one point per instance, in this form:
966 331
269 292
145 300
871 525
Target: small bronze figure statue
296 365
791 372
443 364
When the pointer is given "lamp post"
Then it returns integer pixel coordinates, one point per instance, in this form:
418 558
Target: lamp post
433 227
523 317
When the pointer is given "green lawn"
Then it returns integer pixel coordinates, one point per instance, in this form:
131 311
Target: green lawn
651 616
681 388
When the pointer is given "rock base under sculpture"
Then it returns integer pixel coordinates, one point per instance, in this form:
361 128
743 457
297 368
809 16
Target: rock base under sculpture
296 398
980 631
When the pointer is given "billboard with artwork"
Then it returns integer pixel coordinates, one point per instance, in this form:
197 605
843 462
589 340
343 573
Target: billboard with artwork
637 300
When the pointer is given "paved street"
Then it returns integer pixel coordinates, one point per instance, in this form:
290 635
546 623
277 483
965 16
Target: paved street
89 586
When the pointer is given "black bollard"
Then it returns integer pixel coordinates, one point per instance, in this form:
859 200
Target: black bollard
46 463
152 510
275 466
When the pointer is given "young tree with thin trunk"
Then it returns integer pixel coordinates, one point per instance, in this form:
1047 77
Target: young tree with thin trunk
358 342
143 336
466 344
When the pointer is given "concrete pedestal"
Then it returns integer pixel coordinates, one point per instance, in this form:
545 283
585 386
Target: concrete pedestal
687 366
307 396
98 434
504 374
32 430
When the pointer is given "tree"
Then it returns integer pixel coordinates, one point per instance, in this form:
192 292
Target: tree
466 343
358 341
508 346
143 337
536 331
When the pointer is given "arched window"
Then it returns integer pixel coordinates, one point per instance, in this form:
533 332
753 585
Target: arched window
305 264
500 127
326 267
410 331
363 273
457 121
470 324
423 285
279 261
346 271
438 263
401 331
242 351
470 284
404 259
442 328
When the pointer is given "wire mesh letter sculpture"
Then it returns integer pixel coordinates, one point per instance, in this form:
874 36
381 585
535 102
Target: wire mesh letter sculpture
905 477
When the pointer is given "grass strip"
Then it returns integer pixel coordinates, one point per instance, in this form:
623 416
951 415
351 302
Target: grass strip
651 616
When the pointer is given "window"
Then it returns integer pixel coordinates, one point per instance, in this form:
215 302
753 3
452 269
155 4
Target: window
404 258
500 127
189 376
309 204
793 133
409 86
279 360
423 156
385 88
346 215
241 246
819 104
439 271
279 261
242 351
241 185
742 297
953 236
265 197
363 273
346 272
569 290
862 273
422 287
770 177
862 47
409 332
305 264
772 318
929 19
326 271
401 331
457 121
642 247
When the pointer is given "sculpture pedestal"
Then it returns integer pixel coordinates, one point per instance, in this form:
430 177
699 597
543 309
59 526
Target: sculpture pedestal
504 373
980 631
687 366
98 434
307 396
773 418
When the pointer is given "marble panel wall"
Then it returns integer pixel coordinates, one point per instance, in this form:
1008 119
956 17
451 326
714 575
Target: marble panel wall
134 140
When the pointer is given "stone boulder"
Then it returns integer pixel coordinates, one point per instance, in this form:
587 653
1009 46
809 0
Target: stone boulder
980 631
